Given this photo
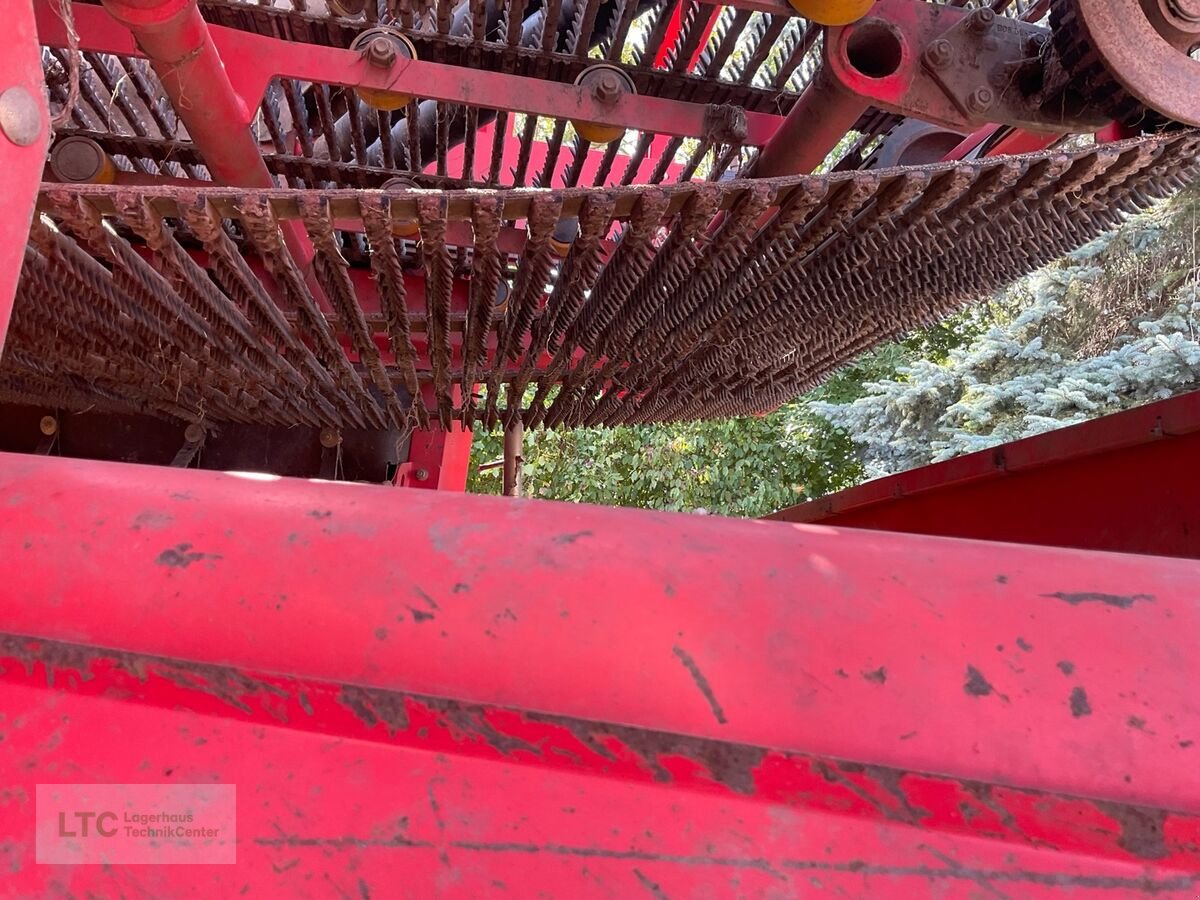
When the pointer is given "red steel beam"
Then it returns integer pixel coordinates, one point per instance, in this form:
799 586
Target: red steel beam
1042 668
820 118
177 41
359 790
1017 141
24 136
1123 482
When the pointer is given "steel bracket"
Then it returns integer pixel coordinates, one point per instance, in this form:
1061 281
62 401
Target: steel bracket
989 67
944 65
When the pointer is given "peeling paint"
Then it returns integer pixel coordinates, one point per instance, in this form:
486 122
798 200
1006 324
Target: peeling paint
1120 601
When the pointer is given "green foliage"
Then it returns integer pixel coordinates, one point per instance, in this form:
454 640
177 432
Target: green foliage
747 467
739 466
1108 327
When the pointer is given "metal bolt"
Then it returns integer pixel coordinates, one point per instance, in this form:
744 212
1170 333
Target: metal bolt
348 8
939 54
20 117
194 433
981 20
606 88
981 100
1037 43
381 52
330 438
48 425
1187 11
422 474
399 183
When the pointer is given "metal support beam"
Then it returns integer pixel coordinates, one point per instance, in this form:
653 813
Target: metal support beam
812 129
24 135
992 662
250 61
1124 482
514 459
177 41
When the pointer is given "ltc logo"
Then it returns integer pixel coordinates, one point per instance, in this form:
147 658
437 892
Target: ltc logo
82 821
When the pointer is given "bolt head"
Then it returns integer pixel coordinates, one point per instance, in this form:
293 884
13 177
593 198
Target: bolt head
607 87
1183 12
981 99
381 52
20 116
982 19
48 425
330 438
422 474
939 54
194 433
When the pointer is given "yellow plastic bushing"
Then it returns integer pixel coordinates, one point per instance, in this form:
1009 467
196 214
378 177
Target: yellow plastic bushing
402 227
381 47
832 12
80 160
564 235
607 84
500 304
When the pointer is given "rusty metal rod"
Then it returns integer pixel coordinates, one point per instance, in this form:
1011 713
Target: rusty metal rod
514 459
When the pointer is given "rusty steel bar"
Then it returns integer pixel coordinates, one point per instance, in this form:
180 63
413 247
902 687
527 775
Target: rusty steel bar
994 662
579 310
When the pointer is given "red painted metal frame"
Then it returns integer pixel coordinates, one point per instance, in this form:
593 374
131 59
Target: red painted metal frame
815 124
1017 141
20 68
251 61
1124 482
179 44
941 713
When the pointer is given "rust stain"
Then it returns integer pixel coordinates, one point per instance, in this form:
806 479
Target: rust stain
650 885
152 520
976 685
182 555
571 537
1120 601
876 676
372 707
701 682
1079 703
425 598
1141 828
468 721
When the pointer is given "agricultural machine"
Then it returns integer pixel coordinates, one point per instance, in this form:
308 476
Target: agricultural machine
279 260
